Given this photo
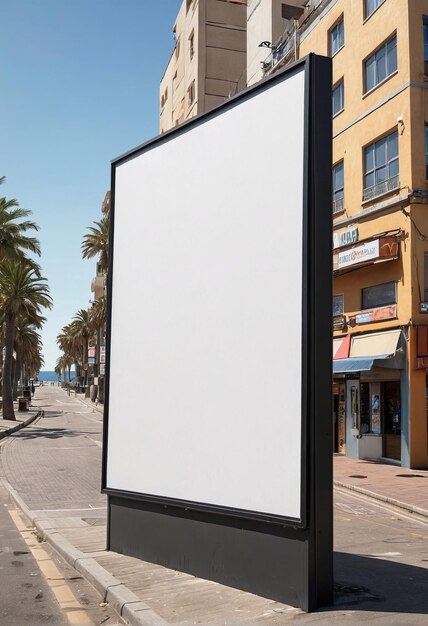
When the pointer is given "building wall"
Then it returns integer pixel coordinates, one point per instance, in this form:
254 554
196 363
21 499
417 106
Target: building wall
264 23
216 70
365 118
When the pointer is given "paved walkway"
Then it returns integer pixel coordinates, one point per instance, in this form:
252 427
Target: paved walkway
52 468
390 483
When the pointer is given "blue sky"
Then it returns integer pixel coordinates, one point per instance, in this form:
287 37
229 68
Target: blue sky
79 85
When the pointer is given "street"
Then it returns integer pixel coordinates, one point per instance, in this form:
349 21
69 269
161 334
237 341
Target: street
38 586
381 554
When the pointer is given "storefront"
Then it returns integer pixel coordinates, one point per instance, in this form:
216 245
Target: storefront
368 384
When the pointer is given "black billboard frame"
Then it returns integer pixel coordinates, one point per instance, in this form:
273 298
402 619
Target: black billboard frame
168 522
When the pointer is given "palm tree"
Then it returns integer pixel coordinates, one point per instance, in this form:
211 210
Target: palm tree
82 331
14 242
28 347
63 366
70 346
23 293
96 242
98 314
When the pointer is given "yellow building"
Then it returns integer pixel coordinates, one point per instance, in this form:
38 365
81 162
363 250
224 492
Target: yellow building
379 207
380 194
208 63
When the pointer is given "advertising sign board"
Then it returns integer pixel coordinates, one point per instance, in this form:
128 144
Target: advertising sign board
234 382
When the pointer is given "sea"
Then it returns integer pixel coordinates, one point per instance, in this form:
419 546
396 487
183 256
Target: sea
48 376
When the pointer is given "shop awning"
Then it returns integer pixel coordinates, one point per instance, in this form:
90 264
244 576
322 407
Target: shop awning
363 364
374 344
341 347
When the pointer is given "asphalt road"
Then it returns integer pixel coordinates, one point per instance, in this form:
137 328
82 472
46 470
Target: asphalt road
48 463
25 596
381 554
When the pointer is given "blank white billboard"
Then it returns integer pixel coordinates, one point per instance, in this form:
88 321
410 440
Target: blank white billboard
205 387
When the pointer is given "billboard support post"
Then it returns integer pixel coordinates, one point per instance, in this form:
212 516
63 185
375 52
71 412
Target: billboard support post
219 289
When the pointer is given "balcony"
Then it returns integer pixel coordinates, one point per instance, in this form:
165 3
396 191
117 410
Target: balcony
286 48
338 205
370 193
282 52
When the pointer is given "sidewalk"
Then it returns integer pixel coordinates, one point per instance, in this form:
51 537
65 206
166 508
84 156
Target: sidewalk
23 418
72 517
407 489
98 407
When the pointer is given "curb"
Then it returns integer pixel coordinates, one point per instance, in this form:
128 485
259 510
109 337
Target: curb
92 406
377 496
14 429
119 597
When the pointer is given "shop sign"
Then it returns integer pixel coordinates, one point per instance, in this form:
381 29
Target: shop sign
102 370
423 307
383 248
376 315
91 360
335 388
365 252
346 237
102 354
91 351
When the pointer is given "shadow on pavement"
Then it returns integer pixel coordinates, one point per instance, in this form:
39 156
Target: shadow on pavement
51 433
375 584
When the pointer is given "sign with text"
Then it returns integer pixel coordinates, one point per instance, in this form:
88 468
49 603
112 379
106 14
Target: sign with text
376 315
359 254
346 237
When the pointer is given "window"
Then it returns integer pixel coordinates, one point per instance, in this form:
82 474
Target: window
192 44
191 92
426 46
338 306
177 48
371 6
338 98
426 151
164 97
381 64
338 187
425 276
379 295
337 37
381 167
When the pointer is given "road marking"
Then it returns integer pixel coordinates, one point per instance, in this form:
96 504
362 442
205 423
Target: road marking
70 404
66 599
383 506
98 443
386 554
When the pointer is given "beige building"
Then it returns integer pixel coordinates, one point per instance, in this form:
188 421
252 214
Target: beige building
379 207
208 63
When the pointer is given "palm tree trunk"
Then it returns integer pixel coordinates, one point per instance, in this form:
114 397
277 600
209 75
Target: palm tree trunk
16 377
8 412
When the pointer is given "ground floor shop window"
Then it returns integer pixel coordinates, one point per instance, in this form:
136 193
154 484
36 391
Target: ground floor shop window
392 420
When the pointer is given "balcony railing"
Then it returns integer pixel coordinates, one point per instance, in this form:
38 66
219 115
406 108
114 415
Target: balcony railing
284 50
381 188
338 205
